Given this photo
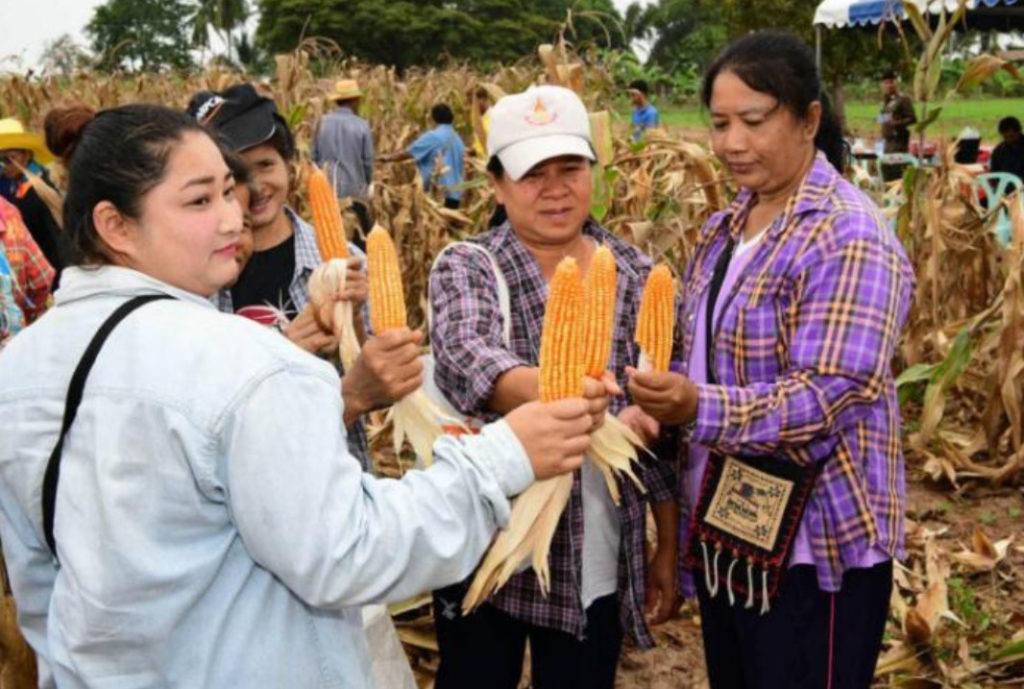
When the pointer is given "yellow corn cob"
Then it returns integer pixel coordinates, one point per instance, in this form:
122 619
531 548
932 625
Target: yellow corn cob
656 318
387 300
330 231
599 311
561 357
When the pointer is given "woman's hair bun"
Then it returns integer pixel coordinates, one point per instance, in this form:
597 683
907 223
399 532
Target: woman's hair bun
64 127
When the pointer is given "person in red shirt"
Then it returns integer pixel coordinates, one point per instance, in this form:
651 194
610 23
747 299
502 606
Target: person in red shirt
33 274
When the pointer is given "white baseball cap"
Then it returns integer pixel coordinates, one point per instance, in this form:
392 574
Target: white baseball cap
540 123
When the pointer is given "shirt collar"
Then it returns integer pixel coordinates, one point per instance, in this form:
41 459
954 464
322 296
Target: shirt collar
83 282
814 194
307 250
505 239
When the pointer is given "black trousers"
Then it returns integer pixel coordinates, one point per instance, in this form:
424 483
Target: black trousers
485 649
809 640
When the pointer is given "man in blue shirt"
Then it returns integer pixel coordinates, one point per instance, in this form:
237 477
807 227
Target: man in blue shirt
439 155
645 115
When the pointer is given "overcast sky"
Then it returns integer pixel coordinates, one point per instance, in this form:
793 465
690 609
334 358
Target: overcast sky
27 25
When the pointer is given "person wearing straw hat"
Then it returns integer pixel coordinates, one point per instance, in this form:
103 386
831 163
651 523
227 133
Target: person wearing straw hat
23 155
343 146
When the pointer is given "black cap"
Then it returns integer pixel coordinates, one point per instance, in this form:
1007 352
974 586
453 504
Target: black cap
242 117
888 74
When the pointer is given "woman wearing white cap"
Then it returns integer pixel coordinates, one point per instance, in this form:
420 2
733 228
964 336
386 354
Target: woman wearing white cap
541 153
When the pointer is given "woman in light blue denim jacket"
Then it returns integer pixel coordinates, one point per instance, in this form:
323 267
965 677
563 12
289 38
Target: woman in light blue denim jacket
209 527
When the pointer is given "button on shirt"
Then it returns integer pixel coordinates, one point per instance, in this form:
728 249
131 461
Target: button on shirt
343 145
802 345
212 529
440 151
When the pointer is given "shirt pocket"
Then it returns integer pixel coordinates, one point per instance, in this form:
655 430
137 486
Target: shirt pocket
761 331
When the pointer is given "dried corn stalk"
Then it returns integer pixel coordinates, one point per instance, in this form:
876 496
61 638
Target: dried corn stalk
327 282
415 416
656 319
536 512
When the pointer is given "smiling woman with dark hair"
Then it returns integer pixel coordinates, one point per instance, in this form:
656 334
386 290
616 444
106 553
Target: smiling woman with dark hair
797 294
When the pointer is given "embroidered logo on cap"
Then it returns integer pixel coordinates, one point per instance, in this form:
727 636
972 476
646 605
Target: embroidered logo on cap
208 110
540 116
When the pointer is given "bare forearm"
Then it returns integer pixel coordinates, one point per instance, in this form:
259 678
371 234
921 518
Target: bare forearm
513 388
355 405
666 519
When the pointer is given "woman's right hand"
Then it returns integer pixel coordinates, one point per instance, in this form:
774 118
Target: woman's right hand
555 434
306 332
596 392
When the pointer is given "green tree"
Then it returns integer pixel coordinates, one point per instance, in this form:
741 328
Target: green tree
683 34
140 34
63 56
405 33
222 17
848 54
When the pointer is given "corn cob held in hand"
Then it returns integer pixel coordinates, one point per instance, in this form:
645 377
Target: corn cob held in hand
655 320
613 444
535 513
415 416
327 282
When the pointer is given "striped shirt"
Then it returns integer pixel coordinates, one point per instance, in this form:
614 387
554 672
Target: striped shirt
470 356
33 274
802 352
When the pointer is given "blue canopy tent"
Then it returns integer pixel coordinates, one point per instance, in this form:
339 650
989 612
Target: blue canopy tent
988 15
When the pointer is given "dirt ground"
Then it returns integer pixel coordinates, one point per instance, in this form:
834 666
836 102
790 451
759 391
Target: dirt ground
987 606
991 604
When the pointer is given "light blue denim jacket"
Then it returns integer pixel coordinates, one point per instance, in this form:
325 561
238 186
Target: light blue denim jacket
212 529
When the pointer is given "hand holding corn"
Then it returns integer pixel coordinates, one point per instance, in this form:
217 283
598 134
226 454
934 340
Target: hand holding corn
388 369
337 287
671 398
555 435
414 417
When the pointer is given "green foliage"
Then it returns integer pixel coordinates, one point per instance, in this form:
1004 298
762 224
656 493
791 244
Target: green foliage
403 33
221 17
964 602
679 86
141 35
685 36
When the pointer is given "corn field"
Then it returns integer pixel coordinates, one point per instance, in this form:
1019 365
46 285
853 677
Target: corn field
958 606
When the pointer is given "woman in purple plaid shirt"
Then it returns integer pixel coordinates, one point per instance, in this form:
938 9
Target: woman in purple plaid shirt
540 167
808 291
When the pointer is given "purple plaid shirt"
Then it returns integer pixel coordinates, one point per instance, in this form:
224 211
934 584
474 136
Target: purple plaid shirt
802 351
470 356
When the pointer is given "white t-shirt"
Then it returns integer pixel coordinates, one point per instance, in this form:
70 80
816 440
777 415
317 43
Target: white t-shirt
602 535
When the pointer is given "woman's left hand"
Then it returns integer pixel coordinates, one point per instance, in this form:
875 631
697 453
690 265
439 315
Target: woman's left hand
671 398
662 592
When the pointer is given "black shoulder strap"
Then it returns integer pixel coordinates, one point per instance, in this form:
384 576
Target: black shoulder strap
74 399
717 278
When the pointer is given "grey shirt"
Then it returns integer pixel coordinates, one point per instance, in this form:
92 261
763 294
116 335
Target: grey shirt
343 146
